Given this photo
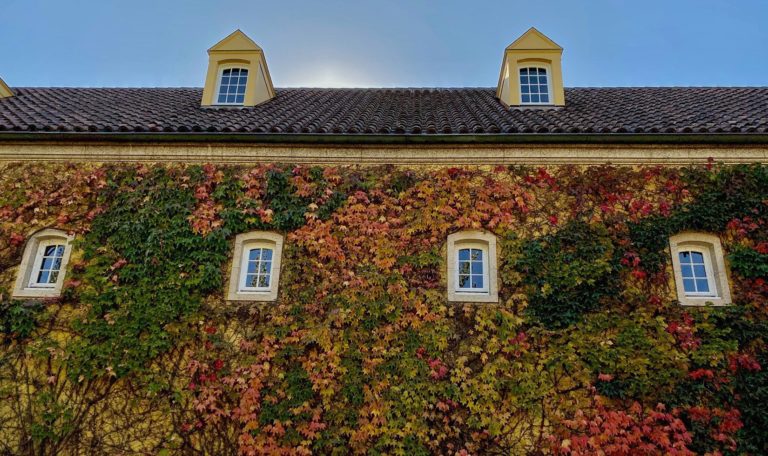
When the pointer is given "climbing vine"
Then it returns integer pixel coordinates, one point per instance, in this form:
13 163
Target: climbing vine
586 350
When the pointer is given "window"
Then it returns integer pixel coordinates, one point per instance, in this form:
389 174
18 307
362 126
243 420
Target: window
534 86
43 266
232 86
696 272
699 269
255 267
45 274
257 274
471 267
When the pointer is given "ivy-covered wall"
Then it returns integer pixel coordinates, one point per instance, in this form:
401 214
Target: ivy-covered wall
362 353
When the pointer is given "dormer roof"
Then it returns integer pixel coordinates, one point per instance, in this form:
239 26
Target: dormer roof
533 40
236 41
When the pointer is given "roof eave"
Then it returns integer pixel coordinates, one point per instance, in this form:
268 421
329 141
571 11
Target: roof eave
402 139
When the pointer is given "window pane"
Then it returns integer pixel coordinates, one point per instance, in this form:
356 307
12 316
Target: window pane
686 270
255 254
49 250
226 72
53 277
231 98
42 277
265 266
57 264
242 80
699 271
250 280
477 267
534 98
526 98
464 267
252 265
544 98
463 281
263 281
47 263
222 98
688 286
266 254
697 257
464 254
60 250
685 257
523 70
477 255
702 285
477 281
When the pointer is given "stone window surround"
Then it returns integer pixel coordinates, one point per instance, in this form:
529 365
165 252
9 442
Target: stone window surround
710 244
242 241
21 288
455 241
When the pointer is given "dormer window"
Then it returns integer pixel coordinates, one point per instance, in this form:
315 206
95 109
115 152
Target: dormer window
531 72
231 89
237 73
534 86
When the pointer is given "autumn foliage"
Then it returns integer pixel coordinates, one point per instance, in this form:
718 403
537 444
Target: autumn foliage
586 352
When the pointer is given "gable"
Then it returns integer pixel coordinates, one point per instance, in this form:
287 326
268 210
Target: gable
533 39
235 41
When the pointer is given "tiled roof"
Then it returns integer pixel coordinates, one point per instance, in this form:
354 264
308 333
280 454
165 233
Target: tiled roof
389 112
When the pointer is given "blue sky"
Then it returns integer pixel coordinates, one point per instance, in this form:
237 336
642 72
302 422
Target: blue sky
362 43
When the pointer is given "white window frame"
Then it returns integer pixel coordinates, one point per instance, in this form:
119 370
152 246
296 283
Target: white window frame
486 242
707 269
38 264
26 285
483 247
715 267
537 65
233 66
247 248
237 291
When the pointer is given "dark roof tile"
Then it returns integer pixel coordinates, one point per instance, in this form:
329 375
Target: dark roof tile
390 111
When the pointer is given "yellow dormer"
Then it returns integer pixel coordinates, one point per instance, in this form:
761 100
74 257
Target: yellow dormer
237 73
531 72
5 91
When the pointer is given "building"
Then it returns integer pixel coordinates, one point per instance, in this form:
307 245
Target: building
391 270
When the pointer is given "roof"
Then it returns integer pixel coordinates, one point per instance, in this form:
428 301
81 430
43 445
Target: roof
397 112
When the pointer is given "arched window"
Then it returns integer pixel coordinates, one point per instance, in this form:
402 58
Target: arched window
534 86
231 87
471 267
699 269
255 267
44 264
